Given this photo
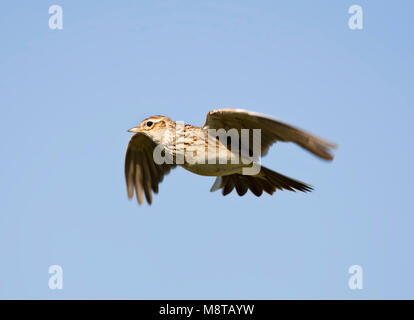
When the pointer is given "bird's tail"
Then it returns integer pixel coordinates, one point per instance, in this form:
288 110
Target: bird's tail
281 182
267 180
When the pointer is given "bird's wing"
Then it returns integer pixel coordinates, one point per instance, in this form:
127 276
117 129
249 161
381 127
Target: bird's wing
271 130
141 172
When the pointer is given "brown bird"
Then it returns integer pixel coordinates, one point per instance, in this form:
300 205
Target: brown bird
229 146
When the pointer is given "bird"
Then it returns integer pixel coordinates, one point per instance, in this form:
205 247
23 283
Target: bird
160 144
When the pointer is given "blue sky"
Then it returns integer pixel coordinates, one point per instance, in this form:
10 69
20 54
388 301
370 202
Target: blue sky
68 96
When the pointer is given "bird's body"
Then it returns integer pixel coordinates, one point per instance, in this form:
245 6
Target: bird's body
191 144
222 148
198 156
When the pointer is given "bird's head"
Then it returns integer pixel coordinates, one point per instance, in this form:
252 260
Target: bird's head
154 127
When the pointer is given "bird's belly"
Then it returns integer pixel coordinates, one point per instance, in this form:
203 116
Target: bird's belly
213 169
217 162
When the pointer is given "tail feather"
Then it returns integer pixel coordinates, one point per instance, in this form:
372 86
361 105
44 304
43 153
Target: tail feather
283 182
267 180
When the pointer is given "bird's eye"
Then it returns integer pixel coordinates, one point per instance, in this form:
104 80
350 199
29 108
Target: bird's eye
149 123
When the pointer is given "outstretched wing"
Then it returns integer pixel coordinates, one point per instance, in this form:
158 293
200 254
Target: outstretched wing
271 130
141 172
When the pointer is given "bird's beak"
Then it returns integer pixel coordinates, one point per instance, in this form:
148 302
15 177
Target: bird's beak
134 130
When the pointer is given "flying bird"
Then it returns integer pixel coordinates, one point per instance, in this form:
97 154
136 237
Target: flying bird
159 144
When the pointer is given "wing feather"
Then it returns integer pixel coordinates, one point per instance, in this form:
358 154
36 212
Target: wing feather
141 172
271 130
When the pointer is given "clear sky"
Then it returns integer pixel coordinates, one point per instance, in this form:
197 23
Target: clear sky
68 96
